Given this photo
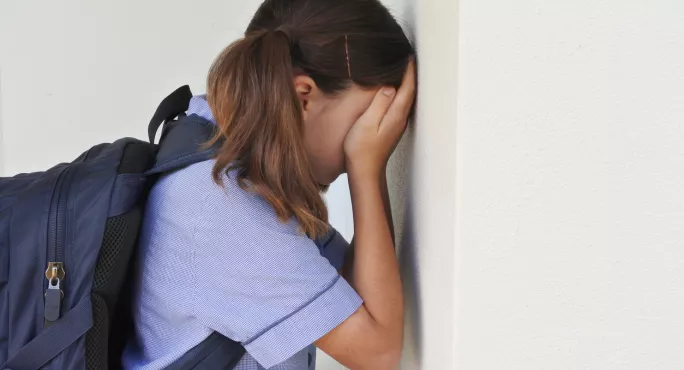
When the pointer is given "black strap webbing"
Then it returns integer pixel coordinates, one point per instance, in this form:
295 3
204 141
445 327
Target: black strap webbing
215 352
172 106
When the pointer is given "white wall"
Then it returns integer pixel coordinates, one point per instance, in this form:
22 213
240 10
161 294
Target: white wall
426 190
570 216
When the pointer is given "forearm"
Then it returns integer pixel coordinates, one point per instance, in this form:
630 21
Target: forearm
348 265
375 273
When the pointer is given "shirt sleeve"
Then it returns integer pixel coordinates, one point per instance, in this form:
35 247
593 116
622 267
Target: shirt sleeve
264 284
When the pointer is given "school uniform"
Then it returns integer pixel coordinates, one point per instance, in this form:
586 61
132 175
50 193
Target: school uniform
218 259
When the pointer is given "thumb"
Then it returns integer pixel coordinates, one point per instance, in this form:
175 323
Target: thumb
379 106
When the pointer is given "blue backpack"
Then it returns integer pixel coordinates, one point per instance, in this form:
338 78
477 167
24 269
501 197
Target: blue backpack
67 245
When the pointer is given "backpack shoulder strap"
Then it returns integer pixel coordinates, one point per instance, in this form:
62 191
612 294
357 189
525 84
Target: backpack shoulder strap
171 107
183 141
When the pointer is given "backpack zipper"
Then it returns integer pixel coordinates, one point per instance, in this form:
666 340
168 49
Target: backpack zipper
56 272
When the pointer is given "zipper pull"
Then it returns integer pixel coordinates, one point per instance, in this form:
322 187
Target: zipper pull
54 294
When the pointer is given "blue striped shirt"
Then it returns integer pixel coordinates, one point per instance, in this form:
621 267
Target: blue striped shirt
218 259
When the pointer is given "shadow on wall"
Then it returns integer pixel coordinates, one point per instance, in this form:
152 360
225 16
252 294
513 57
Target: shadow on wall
400 185
400 182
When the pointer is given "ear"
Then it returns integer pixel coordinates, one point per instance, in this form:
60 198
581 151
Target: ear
308 94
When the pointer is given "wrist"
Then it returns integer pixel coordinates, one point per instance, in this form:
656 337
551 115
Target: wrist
365 169
366 174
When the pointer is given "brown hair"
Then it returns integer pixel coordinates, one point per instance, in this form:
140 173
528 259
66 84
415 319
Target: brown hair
252 96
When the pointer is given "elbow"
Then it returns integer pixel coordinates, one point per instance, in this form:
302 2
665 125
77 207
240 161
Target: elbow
388 361
387 358
388 355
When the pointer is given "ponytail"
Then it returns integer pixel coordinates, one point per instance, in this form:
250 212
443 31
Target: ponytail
259 118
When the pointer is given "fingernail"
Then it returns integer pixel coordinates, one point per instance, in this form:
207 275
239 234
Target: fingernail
389 91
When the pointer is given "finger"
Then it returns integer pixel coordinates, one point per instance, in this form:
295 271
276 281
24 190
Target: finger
379 106
396 116
407 92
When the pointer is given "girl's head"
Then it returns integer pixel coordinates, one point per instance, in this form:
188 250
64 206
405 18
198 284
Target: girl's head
285 96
